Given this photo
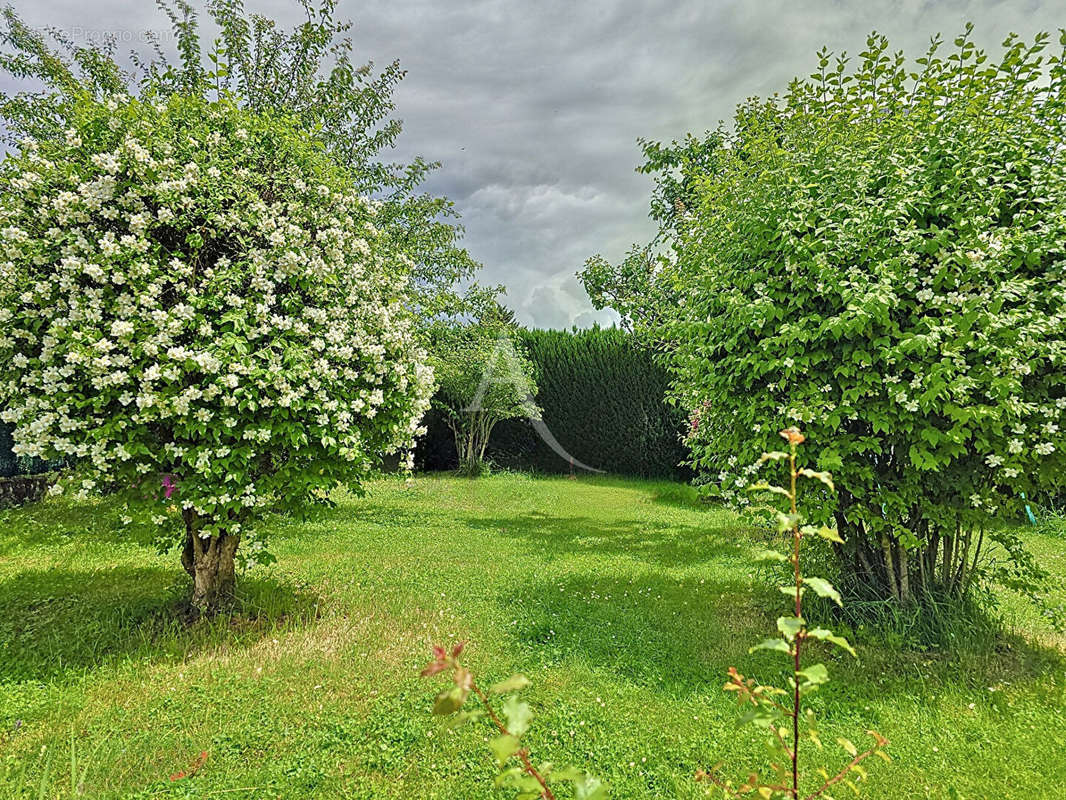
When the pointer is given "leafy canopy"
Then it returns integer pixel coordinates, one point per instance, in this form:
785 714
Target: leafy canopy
478 370
481 379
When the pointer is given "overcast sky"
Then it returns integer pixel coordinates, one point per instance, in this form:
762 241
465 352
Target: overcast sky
534 108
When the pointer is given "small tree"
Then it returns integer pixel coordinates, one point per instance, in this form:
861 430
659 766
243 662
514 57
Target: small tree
784 712
481 379
510 718
196 304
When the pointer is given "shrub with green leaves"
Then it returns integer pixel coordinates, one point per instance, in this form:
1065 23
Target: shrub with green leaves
602 397
880 256
196 304
481 380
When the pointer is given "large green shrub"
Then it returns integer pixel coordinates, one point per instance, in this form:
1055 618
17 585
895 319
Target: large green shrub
603 398
880 256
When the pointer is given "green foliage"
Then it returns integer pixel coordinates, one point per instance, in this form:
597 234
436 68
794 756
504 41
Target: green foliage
8 460
1050 515
511 722
307 73
601 395
880 256
481 380
635 287
786 713
11 464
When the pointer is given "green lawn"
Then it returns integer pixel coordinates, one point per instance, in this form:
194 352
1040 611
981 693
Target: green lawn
623 602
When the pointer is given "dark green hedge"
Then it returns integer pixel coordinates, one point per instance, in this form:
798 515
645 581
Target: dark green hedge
602 398
8 461
11 465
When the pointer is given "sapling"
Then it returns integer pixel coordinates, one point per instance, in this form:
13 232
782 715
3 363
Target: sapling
510 722
780 710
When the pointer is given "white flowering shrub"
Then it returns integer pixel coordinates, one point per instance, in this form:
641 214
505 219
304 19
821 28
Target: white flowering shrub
880 257
195 304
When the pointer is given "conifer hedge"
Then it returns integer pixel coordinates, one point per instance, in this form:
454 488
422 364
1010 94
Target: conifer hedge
602 397
8 460
12 465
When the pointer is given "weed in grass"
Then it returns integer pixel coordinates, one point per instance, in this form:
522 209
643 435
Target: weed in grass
510 717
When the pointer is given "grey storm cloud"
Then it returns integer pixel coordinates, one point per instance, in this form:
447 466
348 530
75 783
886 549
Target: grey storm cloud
534 109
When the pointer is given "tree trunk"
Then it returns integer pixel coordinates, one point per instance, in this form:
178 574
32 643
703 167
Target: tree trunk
943 562
210 563
904 573
890 570
470 444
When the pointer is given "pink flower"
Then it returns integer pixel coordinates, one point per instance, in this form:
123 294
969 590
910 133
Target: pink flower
169 486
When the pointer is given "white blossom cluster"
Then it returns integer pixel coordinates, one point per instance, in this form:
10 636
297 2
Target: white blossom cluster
184 294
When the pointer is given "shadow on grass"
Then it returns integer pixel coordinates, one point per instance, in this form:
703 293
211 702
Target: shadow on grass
657 631
675 493
61 623
682 495
653 542
680 636
57 521
324 521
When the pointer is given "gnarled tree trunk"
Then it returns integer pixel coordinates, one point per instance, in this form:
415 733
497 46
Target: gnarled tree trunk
210 563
